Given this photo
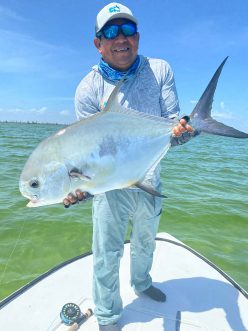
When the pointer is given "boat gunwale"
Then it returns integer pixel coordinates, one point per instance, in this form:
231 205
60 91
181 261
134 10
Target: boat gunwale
35 281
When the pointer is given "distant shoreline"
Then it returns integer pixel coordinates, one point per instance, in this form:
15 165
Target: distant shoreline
33 122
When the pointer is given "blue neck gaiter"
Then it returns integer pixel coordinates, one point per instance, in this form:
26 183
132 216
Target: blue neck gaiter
114 75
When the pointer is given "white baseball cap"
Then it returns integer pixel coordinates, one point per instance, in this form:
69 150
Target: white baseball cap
112 11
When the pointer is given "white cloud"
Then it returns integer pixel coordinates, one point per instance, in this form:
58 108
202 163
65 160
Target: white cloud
15 110
219 114
57 98
35 114
224 115
65 113
38 111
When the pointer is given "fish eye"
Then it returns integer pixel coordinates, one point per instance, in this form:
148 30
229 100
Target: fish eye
34 183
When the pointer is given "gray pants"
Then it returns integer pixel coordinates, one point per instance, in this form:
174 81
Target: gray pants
112 212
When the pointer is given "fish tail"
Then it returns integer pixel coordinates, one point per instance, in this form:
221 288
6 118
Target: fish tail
201 115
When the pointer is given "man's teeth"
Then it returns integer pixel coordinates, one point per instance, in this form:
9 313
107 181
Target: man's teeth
121 49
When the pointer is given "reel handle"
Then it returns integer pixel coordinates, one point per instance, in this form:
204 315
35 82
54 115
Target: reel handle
75 326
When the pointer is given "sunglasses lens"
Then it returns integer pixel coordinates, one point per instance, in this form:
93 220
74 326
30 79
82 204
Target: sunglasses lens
128 29
111 31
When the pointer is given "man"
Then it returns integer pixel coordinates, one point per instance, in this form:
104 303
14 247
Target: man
148 87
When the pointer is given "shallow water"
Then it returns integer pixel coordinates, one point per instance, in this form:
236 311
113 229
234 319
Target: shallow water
206 181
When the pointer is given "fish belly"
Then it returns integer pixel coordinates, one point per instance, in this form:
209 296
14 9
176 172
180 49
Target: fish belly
119 150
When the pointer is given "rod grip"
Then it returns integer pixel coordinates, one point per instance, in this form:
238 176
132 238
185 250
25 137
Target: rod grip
75 326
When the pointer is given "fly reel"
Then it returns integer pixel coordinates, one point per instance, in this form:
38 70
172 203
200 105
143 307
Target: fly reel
70 313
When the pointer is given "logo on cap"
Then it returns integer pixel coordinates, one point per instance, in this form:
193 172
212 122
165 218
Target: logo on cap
115 9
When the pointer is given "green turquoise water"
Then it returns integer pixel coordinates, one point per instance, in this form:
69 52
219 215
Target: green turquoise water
206 182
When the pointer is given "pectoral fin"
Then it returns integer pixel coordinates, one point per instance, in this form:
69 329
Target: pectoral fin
75 173
149 189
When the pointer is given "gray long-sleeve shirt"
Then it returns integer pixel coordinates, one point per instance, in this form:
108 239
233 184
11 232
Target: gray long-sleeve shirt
152 90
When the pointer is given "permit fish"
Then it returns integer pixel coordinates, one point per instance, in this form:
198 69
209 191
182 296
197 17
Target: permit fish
112 149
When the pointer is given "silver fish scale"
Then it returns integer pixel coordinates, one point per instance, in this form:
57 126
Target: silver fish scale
110 150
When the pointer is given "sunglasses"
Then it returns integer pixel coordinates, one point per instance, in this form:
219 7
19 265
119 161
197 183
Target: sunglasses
112 31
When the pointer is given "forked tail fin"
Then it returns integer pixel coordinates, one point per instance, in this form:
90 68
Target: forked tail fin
201 115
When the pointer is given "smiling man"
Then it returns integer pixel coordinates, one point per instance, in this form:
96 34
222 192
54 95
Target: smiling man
119 52
148 87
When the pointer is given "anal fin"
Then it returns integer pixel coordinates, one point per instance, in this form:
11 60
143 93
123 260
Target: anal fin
149 189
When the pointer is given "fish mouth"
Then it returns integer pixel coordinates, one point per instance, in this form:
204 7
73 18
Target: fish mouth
33 200
32 204
39 203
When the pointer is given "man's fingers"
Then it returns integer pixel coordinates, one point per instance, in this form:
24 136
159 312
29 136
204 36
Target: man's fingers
182 127
189 128
178 130
80 195
183 121
72 198
66 203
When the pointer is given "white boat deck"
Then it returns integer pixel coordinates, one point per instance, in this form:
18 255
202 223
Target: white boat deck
199 296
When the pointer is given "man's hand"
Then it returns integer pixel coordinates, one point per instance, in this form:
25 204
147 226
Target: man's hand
183 132
182 127
72 199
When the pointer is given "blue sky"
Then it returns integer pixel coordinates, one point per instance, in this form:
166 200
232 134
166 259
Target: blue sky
46 47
